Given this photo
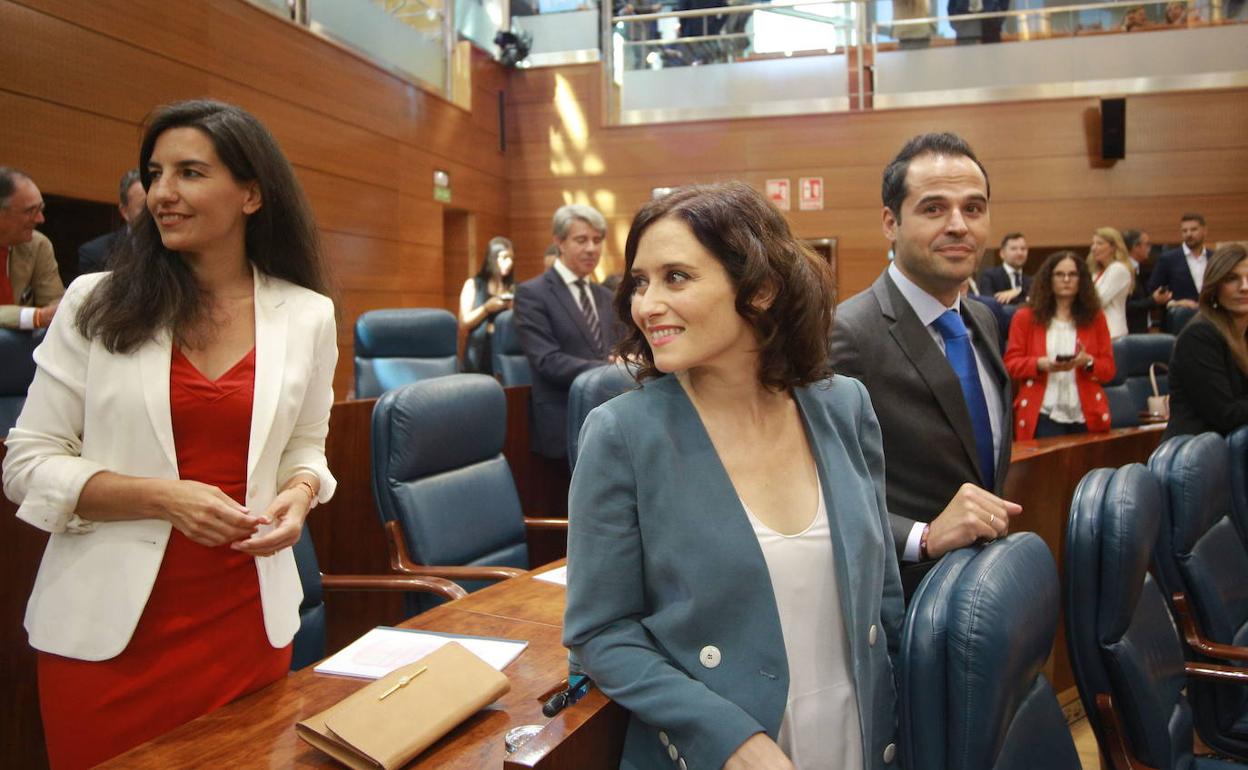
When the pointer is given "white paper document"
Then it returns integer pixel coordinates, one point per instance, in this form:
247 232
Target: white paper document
557 576
384 649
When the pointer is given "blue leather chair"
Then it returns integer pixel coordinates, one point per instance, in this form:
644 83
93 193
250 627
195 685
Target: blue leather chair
1165 571
978 631
443 488
1176 318
1128 392
17 352
309 644
1238 443
590 389
395 347
1201 550
510 365
1124 647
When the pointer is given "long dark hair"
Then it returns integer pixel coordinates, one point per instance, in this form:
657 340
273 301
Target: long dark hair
489 265
1044 304
752 240
152 288
1223 261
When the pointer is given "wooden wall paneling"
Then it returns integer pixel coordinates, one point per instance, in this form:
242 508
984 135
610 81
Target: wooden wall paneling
460 241
47 141
236 40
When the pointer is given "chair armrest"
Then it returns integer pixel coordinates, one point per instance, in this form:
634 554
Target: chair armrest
402 563
1119 754
433 585
1217 671
546 523
1196 640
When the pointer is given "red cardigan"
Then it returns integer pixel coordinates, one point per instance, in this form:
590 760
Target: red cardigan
1027 345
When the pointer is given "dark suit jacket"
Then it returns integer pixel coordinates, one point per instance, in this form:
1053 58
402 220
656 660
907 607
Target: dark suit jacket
93 255
1208 391
1172 271
929 444
994 280
557 341
1140 303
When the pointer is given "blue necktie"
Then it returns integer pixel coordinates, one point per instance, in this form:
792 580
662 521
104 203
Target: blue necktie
962 359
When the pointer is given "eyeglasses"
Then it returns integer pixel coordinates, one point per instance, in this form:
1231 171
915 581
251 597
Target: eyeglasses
31 212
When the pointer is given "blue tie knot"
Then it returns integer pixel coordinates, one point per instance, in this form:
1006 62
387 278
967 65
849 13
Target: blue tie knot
950 325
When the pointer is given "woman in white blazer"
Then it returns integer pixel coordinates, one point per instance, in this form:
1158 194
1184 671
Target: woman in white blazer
172 443
732 579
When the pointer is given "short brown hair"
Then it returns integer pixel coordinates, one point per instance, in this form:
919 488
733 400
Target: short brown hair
753 242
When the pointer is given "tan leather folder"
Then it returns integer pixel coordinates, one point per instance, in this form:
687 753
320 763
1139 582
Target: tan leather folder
366 730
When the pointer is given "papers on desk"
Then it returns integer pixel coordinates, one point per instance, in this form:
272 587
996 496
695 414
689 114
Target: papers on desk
557 576
384 649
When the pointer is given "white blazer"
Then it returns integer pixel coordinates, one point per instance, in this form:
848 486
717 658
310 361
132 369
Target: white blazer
89 410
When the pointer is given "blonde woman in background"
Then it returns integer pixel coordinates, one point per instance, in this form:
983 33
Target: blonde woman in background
1113 276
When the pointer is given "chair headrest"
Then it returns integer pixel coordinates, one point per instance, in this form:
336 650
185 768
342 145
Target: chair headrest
435 425
420 332
590 389
1199 484
1002 619
1238 443
17 352
506 342
1134 353
1130 516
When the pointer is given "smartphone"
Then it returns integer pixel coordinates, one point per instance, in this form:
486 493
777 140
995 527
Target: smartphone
506 296
1063 359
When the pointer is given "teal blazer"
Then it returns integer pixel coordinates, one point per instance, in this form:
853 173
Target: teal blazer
670 607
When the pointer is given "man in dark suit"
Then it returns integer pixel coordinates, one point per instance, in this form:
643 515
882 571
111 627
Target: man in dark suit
93 255
1006 282
1141 303
1179 273
930 360
565 324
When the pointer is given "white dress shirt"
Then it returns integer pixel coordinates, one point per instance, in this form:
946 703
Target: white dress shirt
569 279
1196 264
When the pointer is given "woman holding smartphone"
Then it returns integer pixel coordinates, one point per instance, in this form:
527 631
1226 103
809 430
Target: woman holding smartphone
483 297
1059 353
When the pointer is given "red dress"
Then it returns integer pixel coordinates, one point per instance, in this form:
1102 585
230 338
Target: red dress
200 642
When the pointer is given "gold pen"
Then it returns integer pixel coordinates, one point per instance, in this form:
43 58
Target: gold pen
403 682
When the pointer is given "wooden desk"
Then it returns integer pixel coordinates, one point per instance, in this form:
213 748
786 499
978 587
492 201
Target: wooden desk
258 731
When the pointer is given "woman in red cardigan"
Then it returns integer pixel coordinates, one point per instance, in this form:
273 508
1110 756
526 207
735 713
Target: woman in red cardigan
1059 353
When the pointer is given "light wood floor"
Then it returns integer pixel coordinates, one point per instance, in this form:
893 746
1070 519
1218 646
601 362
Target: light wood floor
1085 742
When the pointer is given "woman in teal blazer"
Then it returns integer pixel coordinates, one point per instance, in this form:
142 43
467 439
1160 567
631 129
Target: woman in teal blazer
703 596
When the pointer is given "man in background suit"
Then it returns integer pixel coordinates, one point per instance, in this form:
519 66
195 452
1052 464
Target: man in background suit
930 360
93 255
1141 303
565 324
30 285
1006 282
1179 273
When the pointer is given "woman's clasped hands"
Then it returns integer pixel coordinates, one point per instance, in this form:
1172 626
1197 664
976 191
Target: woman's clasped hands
209 517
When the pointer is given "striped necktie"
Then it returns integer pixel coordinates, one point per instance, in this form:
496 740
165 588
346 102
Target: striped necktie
591 315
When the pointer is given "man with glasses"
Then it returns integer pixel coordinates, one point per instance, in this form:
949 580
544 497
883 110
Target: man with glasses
30 284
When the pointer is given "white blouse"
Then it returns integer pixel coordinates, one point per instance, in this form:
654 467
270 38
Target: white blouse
1114 287
1061 395
820 728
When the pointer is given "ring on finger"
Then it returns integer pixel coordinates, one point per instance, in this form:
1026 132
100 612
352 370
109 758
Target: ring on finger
992 519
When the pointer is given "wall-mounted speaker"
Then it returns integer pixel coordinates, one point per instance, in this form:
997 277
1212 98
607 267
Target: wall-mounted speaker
1113 129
